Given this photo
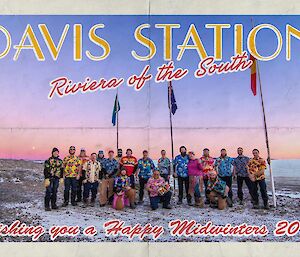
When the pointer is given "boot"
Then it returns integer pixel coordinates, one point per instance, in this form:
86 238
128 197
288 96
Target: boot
54 206
266 205
255 205
85 203
168 206
65 204
199 202
179 202
229 202
47 204
132 206
189 200
93 202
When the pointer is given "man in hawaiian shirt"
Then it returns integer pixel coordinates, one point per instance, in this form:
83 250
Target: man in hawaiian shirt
223 165
181 171
129 163
72 166
83 158
256 171
100 157
108 173
207 163
240 171
53 172
144 172
164 166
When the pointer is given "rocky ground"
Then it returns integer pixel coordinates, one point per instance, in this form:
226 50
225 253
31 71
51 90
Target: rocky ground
22 192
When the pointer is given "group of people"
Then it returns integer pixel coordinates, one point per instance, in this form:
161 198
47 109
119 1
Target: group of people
114 178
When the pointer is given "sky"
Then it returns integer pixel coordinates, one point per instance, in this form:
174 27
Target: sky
215 112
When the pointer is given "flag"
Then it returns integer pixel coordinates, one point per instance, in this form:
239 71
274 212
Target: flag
253 75
115 110
171 99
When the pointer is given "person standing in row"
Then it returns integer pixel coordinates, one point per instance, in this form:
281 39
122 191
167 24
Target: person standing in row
108 173
207 163
83 158
195 179
100 157
256 171
181 171
145 169
223 165
53 173
240 171
90 175
119 155
129 163
72 166
164 166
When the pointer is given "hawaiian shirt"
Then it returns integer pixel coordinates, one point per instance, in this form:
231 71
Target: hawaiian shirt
83 160
224 166
72 166
129 163
257 166
164 166
207 165
218 186
181 163
121 183
91 170
145 168
111 167
101 160
240 165
155 185
53 167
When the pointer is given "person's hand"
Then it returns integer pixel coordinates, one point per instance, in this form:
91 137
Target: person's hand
61 181
84 181
77 177
128 188
175 175
47 182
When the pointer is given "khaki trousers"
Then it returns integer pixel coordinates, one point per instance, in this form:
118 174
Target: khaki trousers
106 190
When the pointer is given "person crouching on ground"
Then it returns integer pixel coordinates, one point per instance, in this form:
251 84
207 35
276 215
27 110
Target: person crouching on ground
90 175
72 166
217 190
195 173
159 191
53 172
122 189
256 171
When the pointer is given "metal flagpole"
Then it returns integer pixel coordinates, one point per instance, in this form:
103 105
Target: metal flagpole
117 114
266 132
171 132
267 138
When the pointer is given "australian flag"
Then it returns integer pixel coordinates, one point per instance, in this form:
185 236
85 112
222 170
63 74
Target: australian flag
171 99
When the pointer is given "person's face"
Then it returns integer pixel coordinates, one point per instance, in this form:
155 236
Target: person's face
93 157
129 153
192 156
111 155
72 150
240 151
145 155
163 154
120 153
82 153
156 174
223 153
182 150
206 153
255 154
212 175
55 154
123 172
101 155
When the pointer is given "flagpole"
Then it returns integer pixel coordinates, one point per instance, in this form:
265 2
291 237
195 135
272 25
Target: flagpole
117 114
266 132
171 133
267 138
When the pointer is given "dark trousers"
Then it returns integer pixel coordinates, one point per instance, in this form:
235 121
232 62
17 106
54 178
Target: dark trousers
263 191
88 188
205 181
228 180
132 183
143 182
79 189
51 192
165 199
183 182
248 183
70 184
165 177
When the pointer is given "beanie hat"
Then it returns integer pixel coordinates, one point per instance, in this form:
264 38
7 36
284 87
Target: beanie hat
55 150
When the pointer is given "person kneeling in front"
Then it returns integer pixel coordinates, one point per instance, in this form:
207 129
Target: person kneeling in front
159 191
124 193
217 190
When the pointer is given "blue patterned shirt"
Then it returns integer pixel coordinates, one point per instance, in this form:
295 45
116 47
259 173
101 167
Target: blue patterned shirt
145 168
110 166
240 163
224 166
181 163
164 165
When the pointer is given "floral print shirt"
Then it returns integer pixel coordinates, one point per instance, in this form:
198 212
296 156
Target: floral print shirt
217 186
181 163
72 166
91 170
240 164
223 166
145 168
207 165
53 168
121 183
157 186
164 166
257 166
